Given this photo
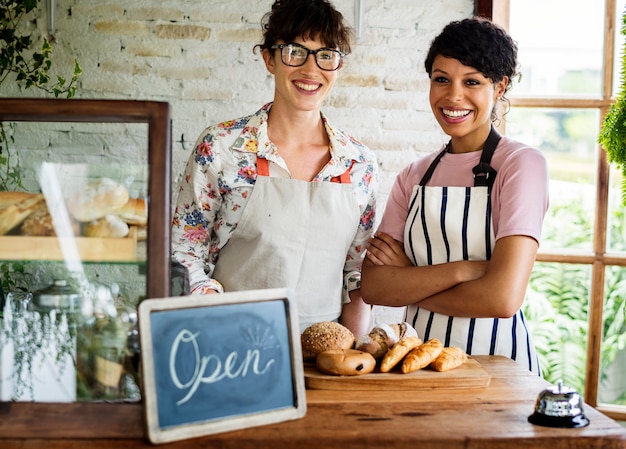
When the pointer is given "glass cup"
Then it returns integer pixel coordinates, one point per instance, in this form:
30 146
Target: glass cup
19 302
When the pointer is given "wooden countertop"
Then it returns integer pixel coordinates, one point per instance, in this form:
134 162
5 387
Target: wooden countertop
487 418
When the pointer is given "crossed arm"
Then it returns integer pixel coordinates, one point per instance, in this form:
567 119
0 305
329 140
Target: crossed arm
494 288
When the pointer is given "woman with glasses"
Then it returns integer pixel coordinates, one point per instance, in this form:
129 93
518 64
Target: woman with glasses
281 198
461 228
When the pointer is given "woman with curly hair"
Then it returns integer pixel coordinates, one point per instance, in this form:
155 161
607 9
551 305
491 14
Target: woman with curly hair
461 229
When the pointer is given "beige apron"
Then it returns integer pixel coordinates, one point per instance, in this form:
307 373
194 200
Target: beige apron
295 234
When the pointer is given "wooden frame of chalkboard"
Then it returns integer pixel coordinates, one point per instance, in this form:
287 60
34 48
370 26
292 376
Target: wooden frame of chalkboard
218 363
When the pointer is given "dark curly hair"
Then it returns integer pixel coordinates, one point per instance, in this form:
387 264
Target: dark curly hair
290 19
478 43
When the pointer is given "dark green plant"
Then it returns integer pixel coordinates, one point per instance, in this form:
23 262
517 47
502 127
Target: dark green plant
612 135
29 66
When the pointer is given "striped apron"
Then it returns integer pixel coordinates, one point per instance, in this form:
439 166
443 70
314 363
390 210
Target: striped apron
446 224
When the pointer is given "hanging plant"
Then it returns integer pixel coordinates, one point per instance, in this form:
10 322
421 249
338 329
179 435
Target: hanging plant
613 131
22 62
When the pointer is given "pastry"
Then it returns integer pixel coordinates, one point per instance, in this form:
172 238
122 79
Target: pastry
345 362
108 226
383 337
323 336
450 358
397 353
97 199
421 356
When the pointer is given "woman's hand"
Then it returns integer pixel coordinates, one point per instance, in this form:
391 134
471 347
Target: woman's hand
385 250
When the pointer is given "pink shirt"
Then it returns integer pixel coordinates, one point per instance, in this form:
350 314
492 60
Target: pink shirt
519 196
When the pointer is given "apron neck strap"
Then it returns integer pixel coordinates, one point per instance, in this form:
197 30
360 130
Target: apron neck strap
263 169
484 174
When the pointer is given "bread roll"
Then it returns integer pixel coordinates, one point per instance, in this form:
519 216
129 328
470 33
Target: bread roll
397 353
134 212
421 356
450 358
325 335
97 199
108 226
345 362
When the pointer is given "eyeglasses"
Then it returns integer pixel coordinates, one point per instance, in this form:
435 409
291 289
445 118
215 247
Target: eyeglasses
295 55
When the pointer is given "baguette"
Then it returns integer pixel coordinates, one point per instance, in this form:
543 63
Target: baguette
11 198
15 214
397 353
422 356
450 358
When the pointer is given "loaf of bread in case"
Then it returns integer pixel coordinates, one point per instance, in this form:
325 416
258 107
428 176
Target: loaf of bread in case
97 199
13 215
323 336
39 223
11 198
108 226
345 362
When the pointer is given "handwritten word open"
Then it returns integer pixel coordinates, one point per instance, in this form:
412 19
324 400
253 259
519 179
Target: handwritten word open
228 368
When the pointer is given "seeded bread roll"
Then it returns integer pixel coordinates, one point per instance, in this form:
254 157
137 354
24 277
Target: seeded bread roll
345 362
97 199
323 336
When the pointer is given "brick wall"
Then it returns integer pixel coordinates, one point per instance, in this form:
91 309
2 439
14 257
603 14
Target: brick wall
197 55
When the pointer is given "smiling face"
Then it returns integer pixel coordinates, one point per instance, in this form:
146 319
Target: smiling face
301 88
462 99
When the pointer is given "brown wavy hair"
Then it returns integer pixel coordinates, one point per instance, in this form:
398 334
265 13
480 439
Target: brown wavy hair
308 19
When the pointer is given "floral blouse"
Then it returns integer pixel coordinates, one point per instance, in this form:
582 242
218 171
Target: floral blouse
220 176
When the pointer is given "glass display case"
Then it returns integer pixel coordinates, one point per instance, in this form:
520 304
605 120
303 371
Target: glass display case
84 237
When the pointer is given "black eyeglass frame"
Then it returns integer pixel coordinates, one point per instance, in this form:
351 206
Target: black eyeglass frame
309 52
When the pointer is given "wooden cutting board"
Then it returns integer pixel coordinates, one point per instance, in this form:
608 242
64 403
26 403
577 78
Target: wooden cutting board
469 375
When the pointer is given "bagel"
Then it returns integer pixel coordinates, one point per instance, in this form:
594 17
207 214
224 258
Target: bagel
345 362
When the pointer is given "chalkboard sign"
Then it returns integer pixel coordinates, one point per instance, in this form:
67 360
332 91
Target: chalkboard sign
222 362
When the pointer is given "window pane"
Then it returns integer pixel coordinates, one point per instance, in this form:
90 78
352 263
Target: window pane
53 350
561 53
556 310
612 388
616 220
567 137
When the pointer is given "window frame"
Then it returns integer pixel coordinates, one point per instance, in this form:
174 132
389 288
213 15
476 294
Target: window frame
599 258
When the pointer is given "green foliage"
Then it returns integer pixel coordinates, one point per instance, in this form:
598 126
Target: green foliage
557 303
612 135
29 67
